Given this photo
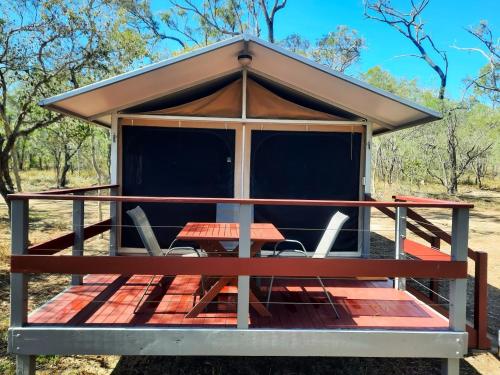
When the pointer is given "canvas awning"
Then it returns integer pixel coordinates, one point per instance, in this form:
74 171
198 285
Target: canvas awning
96 102
261 103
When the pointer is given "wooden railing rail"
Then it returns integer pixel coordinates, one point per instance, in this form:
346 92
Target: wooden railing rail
77 190
66 240
269 202
232 266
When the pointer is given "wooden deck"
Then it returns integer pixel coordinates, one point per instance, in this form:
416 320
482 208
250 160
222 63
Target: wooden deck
109 300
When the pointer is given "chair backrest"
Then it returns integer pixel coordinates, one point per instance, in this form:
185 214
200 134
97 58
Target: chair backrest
331 233
146 233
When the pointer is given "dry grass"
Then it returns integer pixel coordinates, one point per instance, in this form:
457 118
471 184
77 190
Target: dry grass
48 219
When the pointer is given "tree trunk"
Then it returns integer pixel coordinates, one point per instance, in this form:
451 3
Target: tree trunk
64 172
452 156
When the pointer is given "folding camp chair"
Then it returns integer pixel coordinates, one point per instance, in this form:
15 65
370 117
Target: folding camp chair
322 250
153 248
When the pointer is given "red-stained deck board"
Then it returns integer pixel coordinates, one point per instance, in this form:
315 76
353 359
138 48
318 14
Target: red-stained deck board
299 303
424 252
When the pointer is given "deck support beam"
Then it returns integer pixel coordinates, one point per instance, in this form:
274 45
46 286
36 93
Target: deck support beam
78 229
245 220
236 342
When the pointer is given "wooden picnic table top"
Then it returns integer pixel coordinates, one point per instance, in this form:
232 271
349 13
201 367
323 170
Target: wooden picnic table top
259 232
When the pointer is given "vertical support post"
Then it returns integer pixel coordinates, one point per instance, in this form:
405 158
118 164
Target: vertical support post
244 95
433 283
450 366
400 235
367 188
78 229
481 300
458 287
113 234
25 364
113 173
245 221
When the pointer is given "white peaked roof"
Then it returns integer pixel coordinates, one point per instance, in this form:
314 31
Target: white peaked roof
97 101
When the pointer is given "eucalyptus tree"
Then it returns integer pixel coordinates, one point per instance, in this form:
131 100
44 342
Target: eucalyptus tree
195 23
339 49
487 82
459 153
50 46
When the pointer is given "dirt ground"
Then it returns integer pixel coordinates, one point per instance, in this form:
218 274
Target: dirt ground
47 219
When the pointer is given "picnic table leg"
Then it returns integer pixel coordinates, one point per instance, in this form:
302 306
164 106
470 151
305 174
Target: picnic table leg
258 306
209 296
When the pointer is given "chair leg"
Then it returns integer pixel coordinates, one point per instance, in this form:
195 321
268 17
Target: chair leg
328 296
143 294
270 288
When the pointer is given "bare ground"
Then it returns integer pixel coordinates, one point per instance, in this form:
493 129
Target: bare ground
50 218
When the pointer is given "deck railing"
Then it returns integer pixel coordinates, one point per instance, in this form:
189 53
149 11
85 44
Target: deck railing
433 235
40 258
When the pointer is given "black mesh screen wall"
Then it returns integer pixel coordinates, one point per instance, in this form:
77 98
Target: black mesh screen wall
306 165
175 162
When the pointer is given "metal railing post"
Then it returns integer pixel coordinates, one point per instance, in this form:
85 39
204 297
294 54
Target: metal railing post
245 221
458 287
400 235
78 229
25 364
113 232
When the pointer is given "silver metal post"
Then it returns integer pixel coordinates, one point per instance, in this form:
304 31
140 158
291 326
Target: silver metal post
113 235
25 364
244 252
78 228
458 287
400 235
19 246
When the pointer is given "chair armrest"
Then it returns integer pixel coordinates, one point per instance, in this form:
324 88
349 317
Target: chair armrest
302 249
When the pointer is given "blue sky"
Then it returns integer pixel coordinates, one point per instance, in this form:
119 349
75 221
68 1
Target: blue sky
445 22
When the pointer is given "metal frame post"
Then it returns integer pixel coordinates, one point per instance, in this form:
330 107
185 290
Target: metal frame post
400 235
114 207
78 229
245 221
25 364
367 180
458 287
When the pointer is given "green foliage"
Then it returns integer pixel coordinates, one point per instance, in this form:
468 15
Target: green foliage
338 49
421 154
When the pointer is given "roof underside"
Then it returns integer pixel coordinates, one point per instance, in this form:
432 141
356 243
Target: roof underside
212 67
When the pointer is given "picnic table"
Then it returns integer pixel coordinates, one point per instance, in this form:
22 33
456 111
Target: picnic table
209 236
